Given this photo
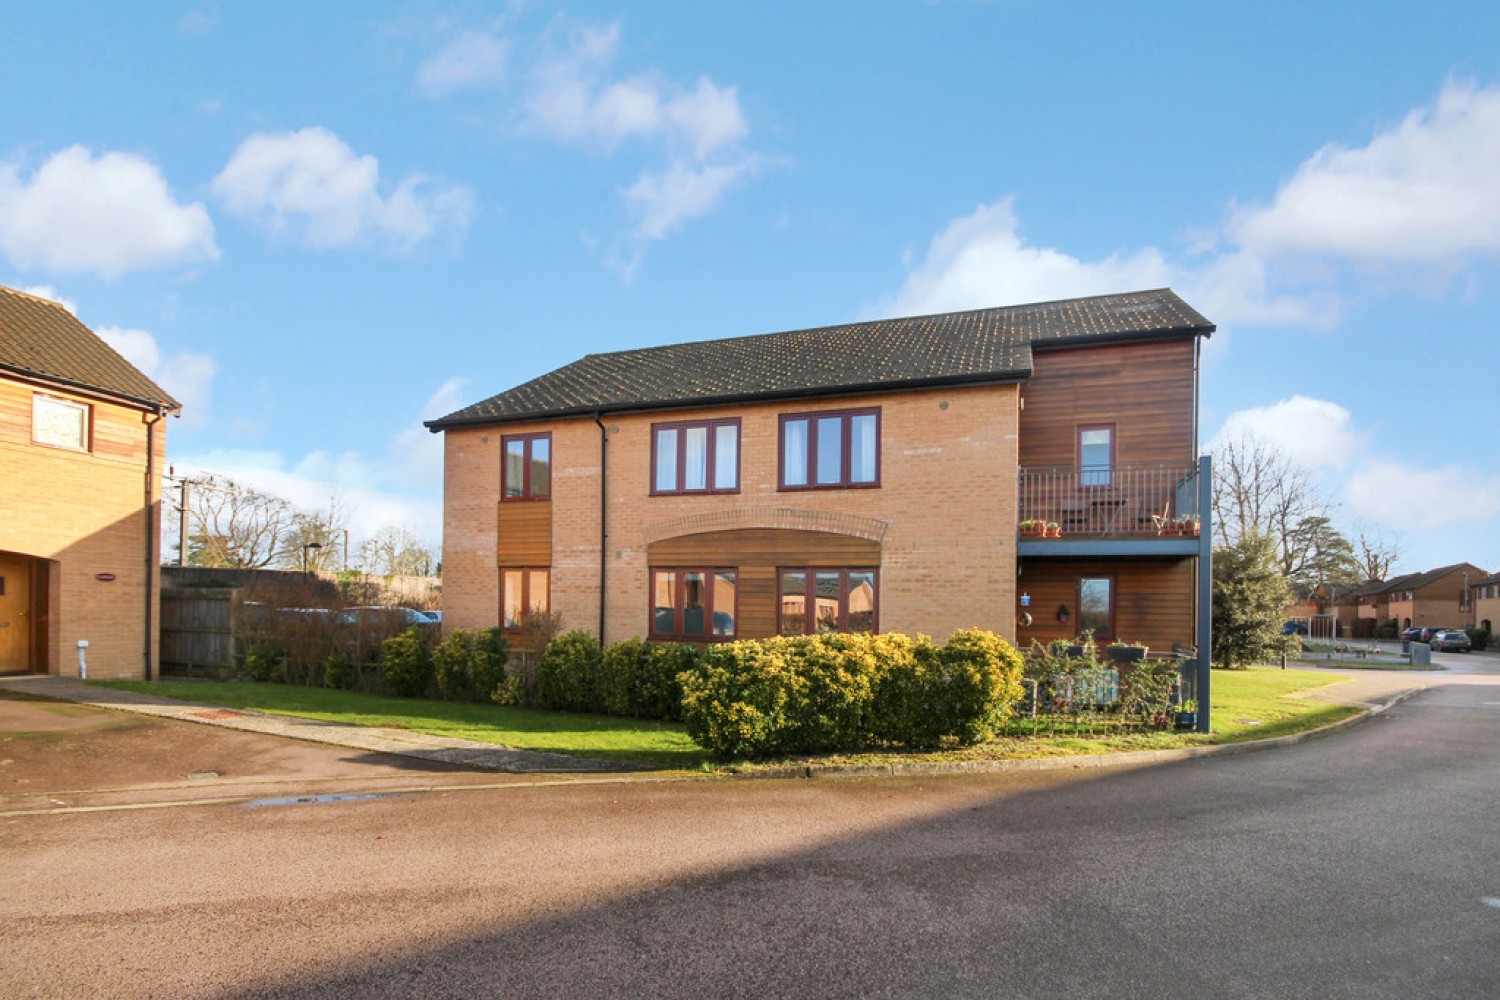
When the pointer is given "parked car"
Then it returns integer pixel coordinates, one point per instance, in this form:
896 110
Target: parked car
1451 640
1409 634
1294 628
390 619
435 616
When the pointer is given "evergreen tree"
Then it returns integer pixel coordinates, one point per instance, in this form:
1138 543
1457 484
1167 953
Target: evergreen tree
1249 598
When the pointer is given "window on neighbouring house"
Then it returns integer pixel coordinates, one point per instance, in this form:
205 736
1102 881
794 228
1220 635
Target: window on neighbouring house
693 604
1096 455
830 450
827 600
61 423
523 591
526 469
1096 606
695 457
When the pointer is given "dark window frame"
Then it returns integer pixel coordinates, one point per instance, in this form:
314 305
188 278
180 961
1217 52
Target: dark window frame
526 494
809 597
527 604
846 456
679 603
1108 471
711 455
1114 602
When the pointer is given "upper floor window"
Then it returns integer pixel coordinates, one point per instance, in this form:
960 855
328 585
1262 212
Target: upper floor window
1096 455
700 456
526 469
831 450
60 423
827 600
693 604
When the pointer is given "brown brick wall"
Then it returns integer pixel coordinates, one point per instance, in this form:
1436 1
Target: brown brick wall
85 514
944 512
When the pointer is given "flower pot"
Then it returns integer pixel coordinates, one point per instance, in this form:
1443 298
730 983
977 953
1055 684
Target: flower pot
1187 720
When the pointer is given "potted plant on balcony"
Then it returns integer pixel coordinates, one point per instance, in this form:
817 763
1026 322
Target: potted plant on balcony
1032 528
1054 530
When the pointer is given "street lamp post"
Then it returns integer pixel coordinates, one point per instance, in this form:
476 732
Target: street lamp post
305 548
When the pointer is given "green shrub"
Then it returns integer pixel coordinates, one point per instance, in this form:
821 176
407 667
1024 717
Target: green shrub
470 666
338 672
815 694
620 672
659 693
406 664
567 678
1148 687
1479 637
487 661
264 663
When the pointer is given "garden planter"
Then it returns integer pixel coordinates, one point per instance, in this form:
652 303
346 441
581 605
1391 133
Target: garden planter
1125 654
1187 720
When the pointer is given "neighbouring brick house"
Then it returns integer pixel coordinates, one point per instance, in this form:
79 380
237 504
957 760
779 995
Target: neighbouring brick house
82 440
864 476
1434 598
1484 601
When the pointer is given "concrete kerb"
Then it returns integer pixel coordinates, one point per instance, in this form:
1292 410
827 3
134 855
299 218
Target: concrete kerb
484 756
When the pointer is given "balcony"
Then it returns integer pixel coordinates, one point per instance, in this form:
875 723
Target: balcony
1126 509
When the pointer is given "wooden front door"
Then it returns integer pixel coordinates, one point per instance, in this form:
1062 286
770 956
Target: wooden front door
15 613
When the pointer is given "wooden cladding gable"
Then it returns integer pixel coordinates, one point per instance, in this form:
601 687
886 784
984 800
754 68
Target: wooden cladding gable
756 554
1144 390
525 534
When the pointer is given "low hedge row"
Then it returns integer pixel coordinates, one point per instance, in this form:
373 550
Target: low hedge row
628 678
828 693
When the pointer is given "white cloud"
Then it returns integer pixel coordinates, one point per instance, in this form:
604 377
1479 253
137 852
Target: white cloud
109 214
311 184
981 260
1421 498
667 199
1423 191
186 375
1314 433
473 59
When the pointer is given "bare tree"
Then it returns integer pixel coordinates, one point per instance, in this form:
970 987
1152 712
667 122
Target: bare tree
323 528
236 526
1259 491
395 552
1376 553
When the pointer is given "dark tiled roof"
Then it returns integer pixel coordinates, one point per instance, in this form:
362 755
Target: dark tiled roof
1419 580
1492 578
41 339
978 346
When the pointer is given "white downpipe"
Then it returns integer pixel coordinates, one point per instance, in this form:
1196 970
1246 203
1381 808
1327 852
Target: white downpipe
83 665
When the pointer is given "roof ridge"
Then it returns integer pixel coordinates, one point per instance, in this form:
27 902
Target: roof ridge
36 298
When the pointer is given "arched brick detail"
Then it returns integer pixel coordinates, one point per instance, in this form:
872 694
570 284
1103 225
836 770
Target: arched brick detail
784 518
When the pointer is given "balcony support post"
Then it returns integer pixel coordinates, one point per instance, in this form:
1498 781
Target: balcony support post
1205 588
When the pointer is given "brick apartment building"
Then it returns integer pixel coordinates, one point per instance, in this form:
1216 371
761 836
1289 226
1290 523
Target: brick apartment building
82 441
870 476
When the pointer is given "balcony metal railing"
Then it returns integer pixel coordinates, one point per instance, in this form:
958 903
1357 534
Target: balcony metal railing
1134 499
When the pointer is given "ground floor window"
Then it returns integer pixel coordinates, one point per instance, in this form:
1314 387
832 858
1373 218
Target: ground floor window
694 604
523 590
817 600
1096 606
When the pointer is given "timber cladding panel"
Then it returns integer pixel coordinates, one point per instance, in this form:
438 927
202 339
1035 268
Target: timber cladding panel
525 528
1144 390
1154 602
757 553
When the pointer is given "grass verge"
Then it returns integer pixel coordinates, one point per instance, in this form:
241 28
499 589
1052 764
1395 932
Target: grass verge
1247 705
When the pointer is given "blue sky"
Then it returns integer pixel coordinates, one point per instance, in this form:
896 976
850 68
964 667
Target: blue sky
318 224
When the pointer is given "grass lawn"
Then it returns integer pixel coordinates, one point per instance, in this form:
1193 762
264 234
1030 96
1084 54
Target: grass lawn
657 744
1247 705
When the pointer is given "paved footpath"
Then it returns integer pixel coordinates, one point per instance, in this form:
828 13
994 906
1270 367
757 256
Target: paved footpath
449 750
1371 689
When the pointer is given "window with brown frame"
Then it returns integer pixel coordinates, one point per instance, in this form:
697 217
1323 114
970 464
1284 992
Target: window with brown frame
1096 455
526 467
1096 606
834 449
699 456
522 591
694 604
816 600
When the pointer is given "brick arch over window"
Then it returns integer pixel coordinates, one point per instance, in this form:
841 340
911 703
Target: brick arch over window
771 518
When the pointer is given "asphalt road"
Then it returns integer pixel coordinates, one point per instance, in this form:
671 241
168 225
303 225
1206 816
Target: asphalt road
1364 864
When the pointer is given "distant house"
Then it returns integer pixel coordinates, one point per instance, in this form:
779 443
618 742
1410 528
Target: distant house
1435 598
869 476
82 442
1484 602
